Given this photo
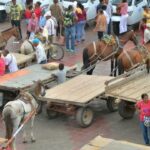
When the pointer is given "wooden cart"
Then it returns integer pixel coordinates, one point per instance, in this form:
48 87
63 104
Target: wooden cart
74 96
100 143
11 83
128 88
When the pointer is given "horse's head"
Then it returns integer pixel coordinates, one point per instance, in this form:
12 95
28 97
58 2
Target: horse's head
38 88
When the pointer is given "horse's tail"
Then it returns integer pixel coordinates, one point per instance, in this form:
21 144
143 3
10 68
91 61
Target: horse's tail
8 122
85 58
120 67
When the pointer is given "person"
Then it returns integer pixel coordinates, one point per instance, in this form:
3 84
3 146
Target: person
40 52
15 16
81 21
147 33
33 26
38 10
69 24
104 7
146 14
142 27
10 61
144 111
42 21
57 12
2 65
61 74
99 6
101 24
123 10
28 14
50 26
109 11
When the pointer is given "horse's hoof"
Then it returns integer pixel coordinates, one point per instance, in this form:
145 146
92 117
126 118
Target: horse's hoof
24 141
33 140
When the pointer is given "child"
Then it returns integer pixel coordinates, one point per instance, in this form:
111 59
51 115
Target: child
142 27
28 13
101 24
61 74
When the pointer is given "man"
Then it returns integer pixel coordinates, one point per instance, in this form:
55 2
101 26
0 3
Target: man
15 16
40 52
147 33
99 6
10 61
50 26
58 14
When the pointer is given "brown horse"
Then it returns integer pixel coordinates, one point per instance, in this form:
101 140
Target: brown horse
7 34
99 50
132 58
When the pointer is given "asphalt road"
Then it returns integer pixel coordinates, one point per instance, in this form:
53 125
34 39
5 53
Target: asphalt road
63 133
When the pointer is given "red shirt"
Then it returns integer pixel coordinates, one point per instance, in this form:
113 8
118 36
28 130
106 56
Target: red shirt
144 109
38 12
27 14
2 66
81 16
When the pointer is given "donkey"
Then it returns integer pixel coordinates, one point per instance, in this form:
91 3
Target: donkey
15 111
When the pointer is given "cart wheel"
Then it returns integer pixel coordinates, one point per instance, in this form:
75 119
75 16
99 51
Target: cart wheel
56 52
126 109
51 114
112 105
84 117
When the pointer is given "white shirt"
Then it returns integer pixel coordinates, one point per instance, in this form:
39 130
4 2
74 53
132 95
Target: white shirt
146 35
40 53
109 9
10 60
107 17
50 26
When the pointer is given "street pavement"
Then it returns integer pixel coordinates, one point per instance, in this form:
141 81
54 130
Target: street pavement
63 133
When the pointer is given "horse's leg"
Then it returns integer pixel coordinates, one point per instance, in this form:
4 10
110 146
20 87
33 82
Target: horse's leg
116 66
148 65
90 72
120 67
32 127
112 66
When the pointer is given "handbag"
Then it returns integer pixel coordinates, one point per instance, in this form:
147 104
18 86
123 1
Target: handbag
147 121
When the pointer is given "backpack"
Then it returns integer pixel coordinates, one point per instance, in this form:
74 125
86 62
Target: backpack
68 19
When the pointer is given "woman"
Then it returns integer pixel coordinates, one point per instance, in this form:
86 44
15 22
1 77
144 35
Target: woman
101 24
38 10
33 26
2 65
144 109
123 7
81 21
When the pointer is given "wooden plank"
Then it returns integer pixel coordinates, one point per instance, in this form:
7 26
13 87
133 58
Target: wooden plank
80 89
101 143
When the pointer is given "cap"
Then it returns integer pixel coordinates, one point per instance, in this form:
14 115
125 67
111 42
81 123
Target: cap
47 14
36 41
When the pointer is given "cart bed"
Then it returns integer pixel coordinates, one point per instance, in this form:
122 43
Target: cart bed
79 90
100 143
130 87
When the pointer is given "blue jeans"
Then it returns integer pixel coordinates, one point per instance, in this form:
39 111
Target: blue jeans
70 33
146 133
80 30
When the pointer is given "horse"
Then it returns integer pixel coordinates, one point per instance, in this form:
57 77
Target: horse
99 50
15 111
7 34
128 60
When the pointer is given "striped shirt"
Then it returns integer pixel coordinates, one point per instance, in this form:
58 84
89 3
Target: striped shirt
50 26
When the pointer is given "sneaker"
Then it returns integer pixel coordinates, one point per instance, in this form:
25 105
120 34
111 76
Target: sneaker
67 50
72 51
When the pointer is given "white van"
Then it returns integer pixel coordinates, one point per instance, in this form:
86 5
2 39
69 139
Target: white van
89 5
135 10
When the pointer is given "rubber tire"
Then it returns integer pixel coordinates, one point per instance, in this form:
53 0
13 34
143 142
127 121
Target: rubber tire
80 114
124 109
60 49
110 104
51 114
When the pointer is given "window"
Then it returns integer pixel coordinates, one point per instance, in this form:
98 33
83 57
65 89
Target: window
115 2
138 2
82 1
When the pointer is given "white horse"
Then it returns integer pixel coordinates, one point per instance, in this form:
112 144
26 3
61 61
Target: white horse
14 112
